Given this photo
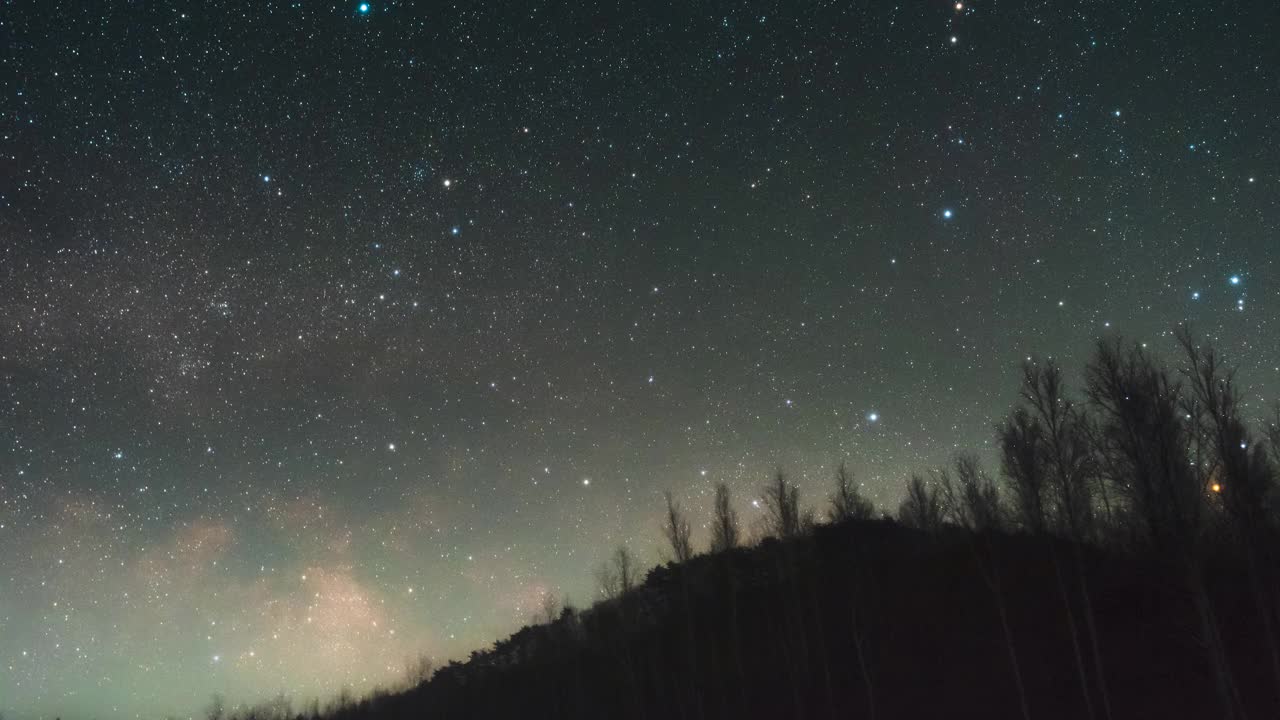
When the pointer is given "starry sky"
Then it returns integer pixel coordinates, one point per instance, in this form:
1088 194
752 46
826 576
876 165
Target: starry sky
332 333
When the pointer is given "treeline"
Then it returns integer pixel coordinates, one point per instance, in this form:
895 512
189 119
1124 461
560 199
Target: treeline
1120 562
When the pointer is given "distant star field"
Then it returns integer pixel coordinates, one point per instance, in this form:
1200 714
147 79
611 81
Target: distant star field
333 333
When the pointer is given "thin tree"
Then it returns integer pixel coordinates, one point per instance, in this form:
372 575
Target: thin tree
1060 454
922 509
724 525
783 520
676 530
617 575
782 507
1241 472
972 500
1070 465
1145 436
1020 437
1147 442
846 502
725 535
550 610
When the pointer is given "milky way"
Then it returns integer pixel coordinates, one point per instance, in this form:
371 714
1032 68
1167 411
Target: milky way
332 334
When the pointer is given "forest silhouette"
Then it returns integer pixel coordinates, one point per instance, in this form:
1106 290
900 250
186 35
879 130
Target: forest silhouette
1119 562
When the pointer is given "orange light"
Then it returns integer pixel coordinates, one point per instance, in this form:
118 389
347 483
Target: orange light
959 6
1216 487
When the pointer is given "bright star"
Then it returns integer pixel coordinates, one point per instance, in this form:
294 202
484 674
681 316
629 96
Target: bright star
954 40
947 213
873 417
455 229
448 182
1195 295
266 178
364 7
1235 280
391 447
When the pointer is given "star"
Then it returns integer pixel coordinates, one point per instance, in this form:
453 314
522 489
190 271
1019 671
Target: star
946 214
1234 280
364 8
873 416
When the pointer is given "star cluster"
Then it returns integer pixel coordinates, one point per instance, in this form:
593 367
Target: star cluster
333 333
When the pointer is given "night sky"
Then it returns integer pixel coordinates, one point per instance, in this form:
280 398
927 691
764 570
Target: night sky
332 333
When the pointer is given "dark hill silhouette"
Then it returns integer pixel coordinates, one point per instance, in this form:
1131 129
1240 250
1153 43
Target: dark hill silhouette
858 619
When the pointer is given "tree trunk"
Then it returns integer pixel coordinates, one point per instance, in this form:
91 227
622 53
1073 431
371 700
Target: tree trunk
1072 628
1091 624
992 579
862 662
1213 647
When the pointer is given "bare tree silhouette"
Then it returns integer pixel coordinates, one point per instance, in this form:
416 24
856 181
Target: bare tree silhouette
922 509
1147 438
676 530
1059 453
1020 437
1070 466
551 608
972 499
1238 471
724 524
846 502
617 575
782 507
